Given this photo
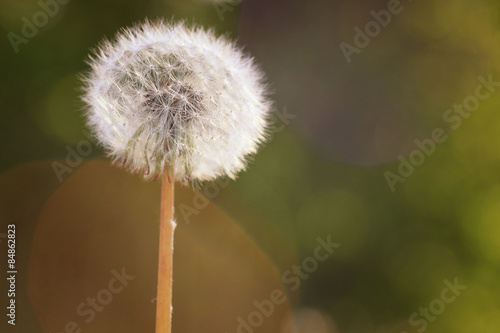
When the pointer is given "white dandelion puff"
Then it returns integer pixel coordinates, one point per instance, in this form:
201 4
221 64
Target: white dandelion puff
171 97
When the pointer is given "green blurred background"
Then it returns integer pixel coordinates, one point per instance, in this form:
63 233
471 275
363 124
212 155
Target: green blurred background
339 128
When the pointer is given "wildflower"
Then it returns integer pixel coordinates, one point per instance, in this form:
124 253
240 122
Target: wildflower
169 97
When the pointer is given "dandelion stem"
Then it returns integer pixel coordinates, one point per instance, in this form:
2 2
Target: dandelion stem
165 258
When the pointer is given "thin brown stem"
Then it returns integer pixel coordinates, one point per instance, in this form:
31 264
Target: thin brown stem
165 259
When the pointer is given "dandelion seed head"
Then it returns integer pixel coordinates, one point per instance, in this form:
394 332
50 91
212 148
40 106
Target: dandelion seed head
164 96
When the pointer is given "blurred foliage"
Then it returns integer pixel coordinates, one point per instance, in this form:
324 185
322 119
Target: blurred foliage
324 173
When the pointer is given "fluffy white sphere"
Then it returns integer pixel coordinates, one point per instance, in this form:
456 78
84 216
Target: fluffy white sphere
171 97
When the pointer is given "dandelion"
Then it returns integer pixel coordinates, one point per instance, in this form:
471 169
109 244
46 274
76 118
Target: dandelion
173 101
168 97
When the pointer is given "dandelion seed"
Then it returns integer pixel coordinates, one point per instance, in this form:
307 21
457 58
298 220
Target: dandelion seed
190 82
